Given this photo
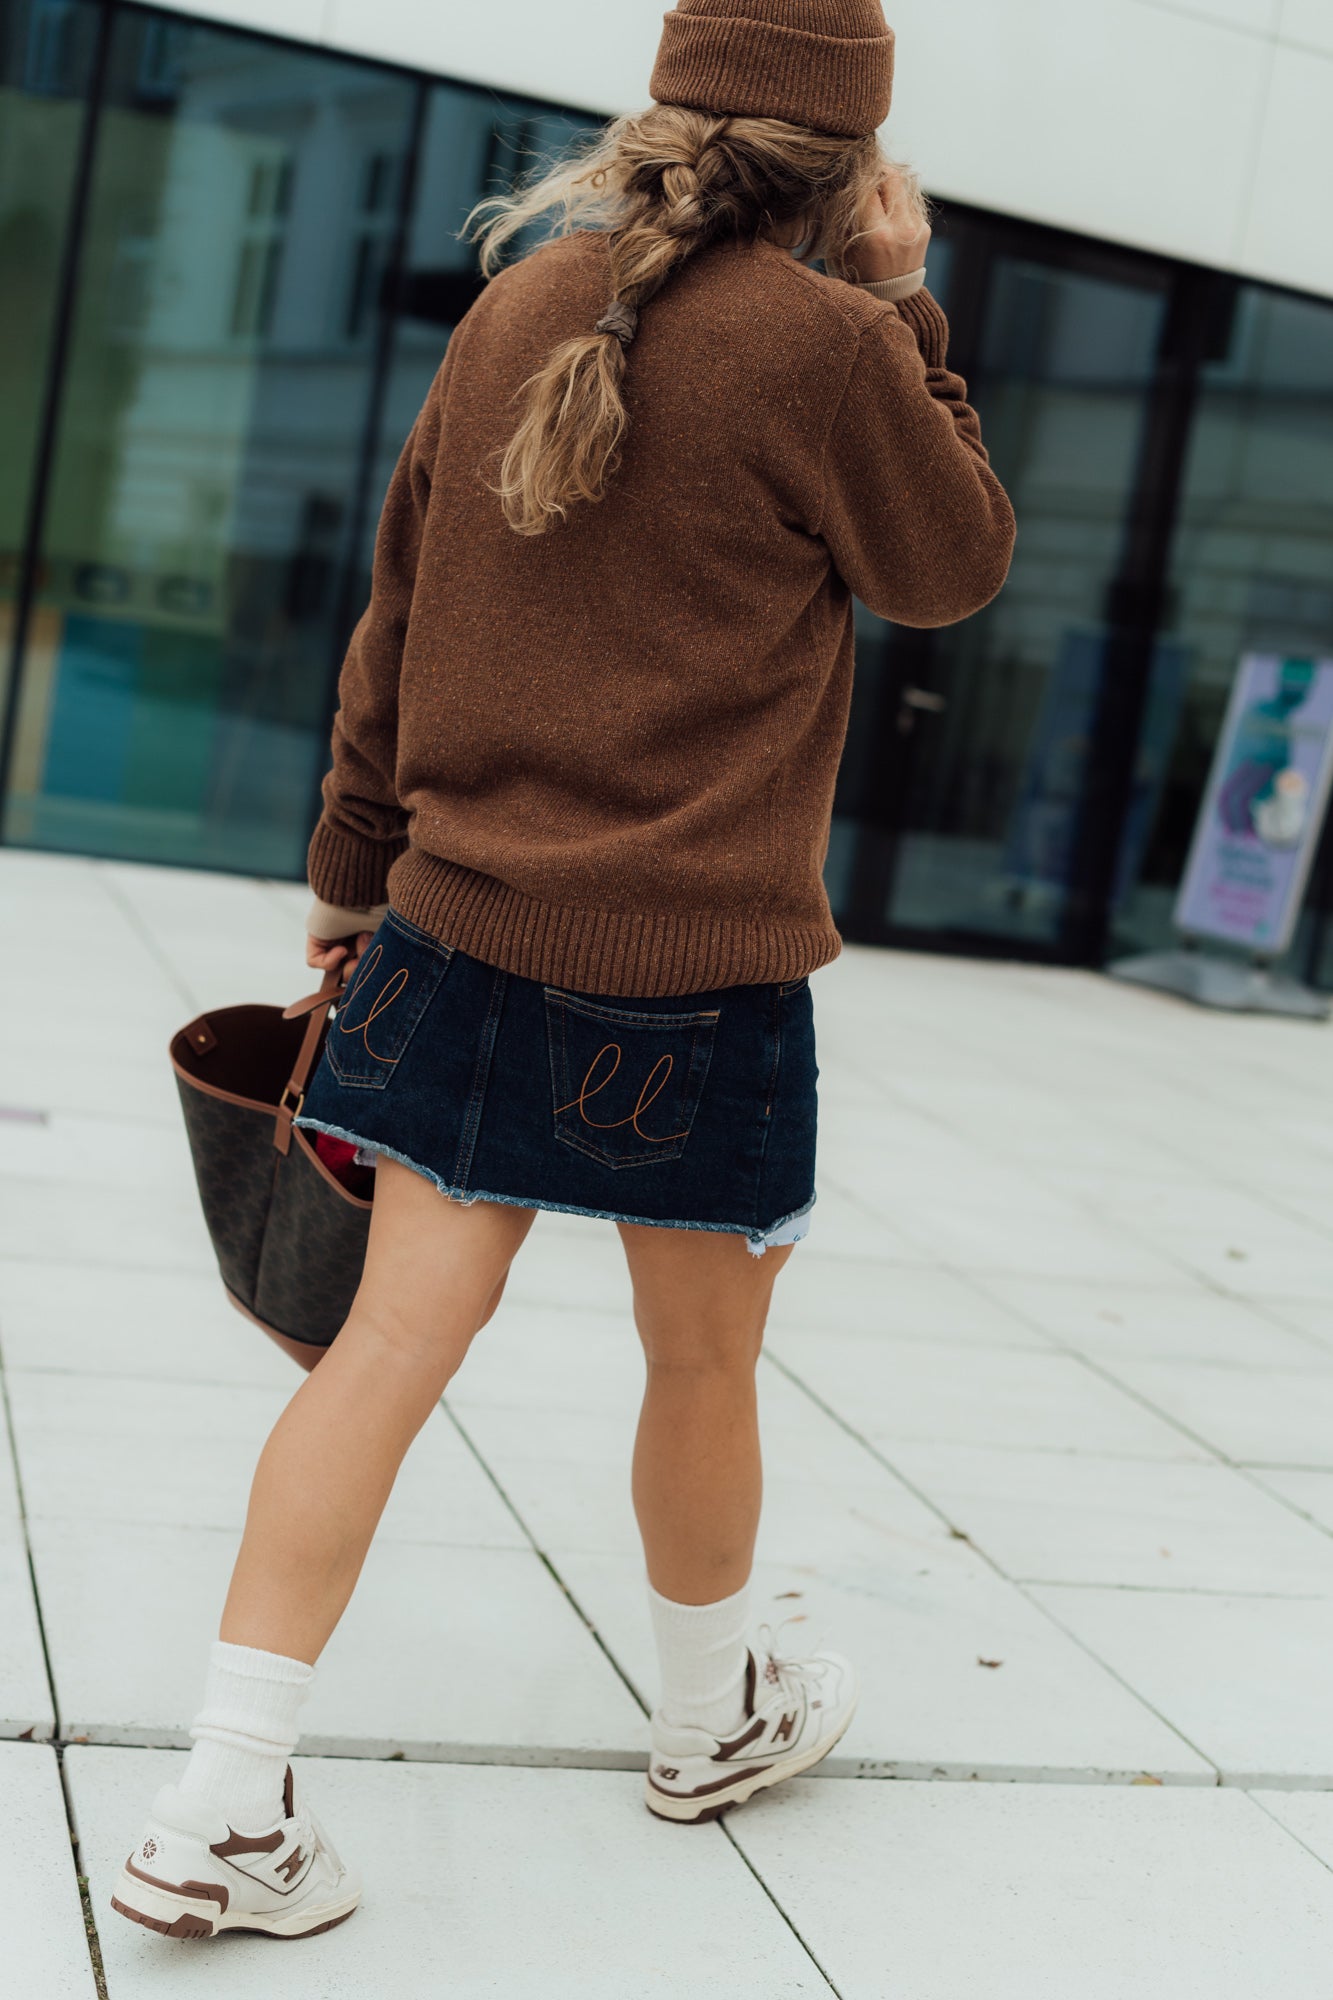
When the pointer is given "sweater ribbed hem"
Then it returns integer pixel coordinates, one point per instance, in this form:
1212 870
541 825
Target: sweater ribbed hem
929 324
347 869
630 954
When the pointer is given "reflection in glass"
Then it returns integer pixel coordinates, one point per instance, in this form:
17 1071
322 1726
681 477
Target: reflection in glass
45 62
472 144
997 758
1251 568
209 437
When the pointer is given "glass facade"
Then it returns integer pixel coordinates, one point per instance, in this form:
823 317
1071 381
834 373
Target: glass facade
236 267
231 265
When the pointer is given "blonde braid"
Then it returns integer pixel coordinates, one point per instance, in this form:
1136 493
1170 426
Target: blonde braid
661 186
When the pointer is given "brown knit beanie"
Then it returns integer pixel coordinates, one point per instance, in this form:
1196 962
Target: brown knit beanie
825 64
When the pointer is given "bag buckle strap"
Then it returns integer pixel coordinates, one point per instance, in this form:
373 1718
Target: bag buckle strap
314 1008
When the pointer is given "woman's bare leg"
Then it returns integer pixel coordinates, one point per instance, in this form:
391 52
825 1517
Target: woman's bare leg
433 1276
700 1303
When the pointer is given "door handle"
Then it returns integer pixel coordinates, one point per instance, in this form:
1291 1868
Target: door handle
916 701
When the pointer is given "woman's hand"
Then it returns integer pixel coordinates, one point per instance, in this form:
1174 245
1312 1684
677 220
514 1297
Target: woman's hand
897 234
327 954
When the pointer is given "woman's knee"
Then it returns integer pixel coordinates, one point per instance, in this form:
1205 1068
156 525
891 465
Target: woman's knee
709 1343
700 1303
488 1311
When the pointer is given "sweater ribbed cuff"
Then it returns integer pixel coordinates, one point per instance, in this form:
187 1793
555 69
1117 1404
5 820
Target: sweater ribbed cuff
894 289
349 870
930 326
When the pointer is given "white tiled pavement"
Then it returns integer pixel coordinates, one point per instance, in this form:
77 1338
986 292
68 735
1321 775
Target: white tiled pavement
1049 1416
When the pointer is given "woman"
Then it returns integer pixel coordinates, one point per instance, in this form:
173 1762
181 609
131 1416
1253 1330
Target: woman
588 732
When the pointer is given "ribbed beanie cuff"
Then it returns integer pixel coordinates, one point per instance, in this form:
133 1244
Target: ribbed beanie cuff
824 64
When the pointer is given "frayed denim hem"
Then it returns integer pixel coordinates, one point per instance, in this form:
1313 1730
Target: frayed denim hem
757 1241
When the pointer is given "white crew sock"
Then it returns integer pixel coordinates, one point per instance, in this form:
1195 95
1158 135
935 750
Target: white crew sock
701 1649
245 1732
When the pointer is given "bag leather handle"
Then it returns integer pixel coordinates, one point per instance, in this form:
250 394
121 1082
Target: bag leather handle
316 1006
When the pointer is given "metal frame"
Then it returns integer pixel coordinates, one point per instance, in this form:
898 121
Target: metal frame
1199 306
345 607
52 391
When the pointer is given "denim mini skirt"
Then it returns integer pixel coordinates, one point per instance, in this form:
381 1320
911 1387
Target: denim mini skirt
696 1111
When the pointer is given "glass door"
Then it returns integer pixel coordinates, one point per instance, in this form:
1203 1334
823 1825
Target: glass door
959 808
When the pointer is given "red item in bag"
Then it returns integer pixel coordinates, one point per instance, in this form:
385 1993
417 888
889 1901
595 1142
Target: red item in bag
339 1156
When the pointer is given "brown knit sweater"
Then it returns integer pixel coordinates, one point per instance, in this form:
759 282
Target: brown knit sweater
604 757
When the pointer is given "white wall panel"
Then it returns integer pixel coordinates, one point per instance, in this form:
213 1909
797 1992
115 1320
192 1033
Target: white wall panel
1309 22
1144 121
587 53
1125 120
303 20
1258 17
1289 233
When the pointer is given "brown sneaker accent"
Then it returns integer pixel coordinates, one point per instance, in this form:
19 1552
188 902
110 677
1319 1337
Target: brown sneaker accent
784 1729
290 1937
713 1785
291 1867
209 1892
183 1927
246 1843
288 1793
739 1742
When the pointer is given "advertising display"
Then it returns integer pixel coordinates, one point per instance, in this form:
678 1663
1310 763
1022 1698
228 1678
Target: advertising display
1262 809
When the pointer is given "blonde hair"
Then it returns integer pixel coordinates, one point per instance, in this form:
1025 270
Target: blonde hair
662 185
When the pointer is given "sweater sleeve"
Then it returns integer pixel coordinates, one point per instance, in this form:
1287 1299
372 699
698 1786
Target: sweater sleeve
916 522
361 828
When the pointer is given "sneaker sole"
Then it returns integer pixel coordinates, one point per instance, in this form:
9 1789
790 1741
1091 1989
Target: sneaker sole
694 1812
190 1917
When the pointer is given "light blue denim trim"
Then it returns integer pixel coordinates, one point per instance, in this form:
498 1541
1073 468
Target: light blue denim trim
756 1240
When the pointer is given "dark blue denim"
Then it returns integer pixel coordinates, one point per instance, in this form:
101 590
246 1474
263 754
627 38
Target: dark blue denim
695 1111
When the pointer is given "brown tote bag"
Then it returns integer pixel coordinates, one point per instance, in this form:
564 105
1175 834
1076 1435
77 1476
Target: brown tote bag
290 1238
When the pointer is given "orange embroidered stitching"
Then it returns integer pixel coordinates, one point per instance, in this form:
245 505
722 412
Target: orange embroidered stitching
383 1000
641 1105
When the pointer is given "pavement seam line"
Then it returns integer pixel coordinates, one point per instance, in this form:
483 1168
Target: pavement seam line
789 1921
92 1935
999 1571
11 1434
129 909
545 1560
1248 1471
1290 1832
92 1939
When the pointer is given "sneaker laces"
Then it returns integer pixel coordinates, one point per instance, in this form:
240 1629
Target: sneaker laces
791 1674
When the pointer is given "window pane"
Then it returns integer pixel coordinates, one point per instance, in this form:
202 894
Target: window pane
175 699
45 54
1250 563
957 803
472 144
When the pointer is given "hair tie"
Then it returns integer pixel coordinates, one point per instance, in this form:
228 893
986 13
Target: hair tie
620 319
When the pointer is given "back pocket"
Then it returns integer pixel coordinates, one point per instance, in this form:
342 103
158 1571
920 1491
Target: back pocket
626 1085
391 990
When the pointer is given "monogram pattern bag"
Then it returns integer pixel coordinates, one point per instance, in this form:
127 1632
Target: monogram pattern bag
290 1239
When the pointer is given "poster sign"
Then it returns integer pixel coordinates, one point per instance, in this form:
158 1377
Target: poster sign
1263 806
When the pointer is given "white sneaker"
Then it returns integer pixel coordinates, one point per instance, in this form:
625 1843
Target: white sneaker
795 1711
192 1875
